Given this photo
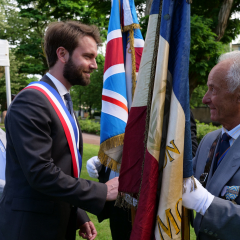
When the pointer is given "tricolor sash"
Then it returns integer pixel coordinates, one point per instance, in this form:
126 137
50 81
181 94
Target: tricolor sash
68 123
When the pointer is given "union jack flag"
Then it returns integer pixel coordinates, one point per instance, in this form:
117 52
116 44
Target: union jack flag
122 60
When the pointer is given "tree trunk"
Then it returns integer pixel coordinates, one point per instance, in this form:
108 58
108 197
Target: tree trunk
223 17
148 7
192 82
1 71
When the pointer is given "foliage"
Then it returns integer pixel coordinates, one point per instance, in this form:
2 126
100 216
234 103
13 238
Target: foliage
210 10
204 50
18 80
203 129
90 96
39 14
90 126
197 95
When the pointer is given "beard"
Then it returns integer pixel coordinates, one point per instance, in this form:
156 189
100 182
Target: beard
74 74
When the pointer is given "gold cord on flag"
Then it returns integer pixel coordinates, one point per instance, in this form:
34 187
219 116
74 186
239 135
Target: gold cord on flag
131 28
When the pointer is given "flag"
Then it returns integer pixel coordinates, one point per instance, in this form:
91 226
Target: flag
178 144
122 60
165 60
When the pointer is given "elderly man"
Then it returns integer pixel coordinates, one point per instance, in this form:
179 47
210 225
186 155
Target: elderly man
217 159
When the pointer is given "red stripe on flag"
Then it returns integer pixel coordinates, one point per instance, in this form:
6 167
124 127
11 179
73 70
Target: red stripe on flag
114 46
65 127
138 55
115 101
144 223
133 151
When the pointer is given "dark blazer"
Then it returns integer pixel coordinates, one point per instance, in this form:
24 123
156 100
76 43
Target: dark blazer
221 220
41 196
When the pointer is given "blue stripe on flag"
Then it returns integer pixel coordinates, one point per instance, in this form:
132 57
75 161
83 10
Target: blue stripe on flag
166 20
155 7
138 34
116 125
116 83
114 22
133 11
179 68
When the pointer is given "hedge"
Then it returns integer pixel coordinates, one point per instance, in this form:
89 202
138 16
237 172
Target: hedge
203 129
89 126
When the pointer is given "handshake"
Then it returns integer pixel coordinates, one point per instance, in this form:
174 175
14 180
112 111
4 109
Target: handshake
94 166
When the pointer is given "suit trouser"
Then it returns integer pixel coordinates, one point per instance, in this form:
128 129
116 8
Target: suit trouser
120 222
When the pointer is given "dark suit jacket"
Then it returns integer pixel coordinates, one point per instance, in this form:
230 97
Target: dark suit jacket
41 196
221 220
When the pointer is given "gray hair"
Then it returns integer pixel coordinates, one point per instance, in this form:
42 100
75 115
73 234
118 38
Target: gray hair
233 75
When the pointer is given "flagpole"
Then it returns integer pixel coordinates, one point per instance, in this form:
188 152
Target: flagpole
185 224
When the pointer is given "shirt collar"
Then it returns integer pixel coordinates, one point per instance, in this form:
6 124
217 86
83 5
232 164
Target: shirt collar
234 133
60 87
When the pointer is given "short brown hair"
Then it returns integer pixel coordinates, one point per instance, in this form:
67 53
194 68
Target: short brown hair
66 34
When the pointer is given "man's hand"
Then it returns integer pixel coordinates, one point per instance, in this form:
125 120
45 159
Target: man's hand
88 231
112 189
199 199
94 166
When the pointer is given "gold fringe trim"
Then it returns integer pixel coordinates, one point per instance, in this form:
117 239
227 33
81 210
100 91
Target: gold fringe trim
107 145
193 184
131 28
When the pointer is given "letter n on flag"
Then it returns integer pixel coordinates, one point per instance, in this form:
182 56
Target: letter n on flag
165 60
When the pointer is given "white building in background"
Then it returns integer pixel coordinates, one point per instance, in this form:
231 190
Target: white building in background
4 62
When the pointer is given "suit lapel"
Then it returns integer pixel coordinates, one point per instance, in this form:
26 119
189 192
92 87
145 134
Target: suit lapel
224 172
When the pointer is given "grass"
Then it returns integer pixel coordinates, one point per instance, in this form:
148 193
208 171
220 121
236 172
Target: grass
103 228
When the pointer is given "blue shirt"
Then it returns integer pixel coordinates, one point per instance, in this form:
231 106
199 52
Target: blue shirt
2 161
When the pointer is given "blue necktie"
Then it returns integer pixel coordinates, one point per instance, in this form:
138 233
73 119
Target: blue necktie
223 148
69 102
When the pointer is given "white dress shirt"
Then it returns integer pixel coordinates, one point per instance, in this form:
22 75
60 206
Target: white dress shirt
62 91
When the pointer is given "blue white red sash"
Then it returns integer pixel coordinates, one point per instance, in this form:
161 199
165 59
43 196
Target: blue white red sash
68 123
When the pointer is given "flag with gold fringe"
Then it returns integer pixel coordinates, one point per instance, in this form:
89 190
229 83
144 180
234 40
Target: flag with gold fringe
122 60
153 153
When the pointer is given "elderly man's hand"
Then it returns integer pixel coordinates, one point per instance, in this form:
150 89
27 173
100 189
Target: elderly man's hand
88 231
112 189
199 199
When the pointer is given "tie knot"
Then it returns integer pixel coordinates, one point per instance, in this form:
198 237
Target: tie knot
67 96
226 137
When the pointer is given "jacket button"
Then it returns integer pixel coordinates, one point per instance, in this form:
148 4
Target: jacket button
210 233
205 230
215 235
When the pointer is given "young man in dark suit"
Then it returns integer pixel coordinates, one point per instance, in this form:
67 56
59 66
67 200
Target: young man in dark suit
43 197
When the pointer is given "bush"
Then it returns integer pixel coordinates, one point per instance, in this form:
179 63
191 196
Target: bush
90 126
203 129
